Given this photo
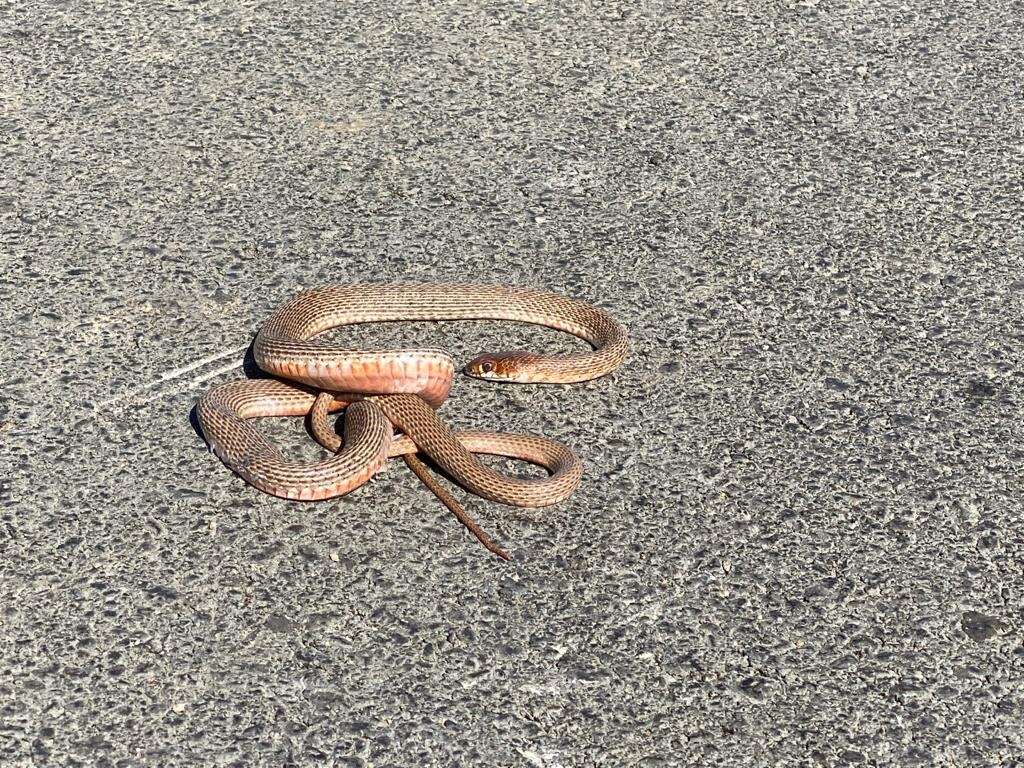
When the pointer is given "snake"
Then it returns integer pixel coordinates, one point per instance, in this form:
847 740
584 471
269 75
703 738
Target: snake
383 389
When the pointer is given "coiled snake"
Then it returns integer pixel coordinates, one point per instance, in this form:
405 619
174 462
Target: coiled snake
382 388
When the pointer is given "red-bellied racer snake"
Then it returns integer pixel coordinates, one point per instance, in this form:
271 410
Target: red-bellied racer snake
399 387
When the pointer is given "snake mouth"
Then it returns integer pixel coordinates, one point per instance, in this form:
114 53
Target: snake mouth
481 367
502 366
499 366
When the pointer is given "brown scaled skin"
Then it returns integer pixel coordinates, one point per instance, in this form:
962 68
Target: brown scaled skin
287 346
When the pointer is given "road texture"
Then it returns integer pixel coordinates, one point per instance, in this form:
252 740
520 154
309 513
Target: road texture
799 536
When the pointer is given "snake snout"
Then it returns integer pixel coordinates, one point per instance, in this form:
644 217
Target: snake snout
503 366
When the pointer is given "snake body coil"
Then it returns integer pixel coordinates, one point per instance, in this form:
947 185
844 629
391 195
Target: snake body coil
397 387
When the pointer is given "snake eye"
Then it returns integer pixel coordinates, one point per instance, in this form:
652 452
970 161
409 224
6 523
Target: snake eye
487 367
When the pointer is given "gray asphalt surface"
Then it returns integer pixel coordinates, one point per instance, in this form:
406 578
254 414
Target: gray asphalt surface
799 537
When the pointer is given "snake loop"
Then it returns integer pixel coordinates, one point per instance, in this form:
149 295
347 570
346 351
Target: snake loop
400 387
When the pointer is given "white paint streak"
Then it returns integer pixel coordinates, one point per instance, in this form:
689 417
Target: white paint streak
179 372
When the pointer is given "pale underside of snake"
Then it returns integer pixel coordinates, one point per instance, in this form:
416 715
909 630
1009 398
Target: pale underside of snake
400 388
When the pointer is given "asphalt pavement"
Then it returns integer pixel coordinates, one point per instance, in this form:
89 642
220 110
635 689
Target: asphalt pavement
800 535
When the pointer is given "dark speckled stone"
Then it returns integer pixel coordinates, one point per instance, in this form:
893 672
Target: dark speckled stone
799 537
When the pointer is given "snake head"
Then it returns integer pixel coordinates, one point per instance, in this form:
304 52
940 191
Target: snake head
501 366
